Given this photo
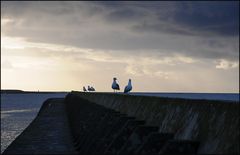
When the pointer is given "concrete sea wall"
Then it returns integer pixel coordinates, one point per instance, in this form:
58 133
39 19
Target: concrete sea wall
215 124
120 124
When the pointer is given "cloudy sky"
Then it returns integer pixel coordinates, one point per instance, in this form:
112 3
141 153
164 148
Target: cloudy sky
161 46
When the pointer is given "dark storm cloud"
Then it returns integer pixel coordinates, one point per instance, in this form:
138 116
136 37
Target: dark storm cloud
196 29
125 14
194 18
219 17
189 18
162 28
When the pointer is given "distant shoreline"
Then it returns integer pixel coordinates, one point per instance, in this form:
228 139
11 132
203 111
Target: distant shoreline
205 96
15 91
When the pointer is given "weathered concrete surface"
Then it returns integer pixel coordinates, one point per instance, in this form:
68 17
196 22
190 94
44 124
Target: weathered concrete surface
48 133
215 124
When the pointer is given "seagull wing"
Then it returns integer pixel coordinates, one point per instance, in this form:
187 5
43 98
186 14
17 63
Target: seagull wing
118 88
126 89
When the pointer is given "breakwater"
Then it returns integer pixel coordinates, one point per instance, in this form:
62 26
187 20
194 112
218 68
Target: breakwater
214 124
106 123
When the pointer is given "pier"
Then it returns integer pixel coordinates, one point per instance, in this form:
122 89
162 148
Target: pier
107 123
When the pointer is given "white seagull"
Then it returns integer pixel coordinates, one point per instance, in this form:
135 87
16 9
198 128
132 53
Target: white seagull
128 88
115 86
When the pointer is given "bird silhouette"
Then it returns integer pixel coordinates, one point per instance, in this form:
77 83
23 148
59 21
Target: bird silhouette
92 89
89 88
115 85
84 89
128 88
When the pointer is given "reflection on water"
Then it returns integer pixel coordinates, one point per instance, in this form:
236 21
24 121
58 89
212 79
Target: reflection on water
4 115
15 111
18 111
12 124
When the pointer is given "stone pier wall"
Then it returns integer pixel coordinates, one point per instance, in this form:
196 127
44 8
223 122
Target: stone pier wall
107 123
215 124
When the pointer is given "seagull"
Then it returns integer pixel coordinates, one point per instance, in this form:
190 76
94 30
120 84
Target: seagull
84 89
128 88
89 88
92 89
115 86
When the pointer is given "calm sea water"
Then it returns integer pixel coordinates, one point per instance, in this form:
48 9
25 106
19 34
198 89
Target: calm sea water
18 111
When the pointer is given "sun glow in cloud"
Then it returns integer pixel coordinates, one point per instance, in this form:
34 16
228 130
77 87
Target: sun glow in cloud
5 21
12 43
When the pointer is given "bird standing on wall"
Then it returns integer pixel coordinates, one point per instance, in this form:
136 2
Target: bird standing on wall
115 85
84 89
128 88
92 89
89 88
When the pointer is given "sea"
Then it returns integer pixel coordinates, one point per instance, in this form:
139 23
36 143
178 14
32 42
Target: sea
19 110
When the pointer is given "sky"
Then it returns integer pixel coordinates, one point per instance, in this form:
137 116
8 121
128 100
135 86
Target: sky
162 46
